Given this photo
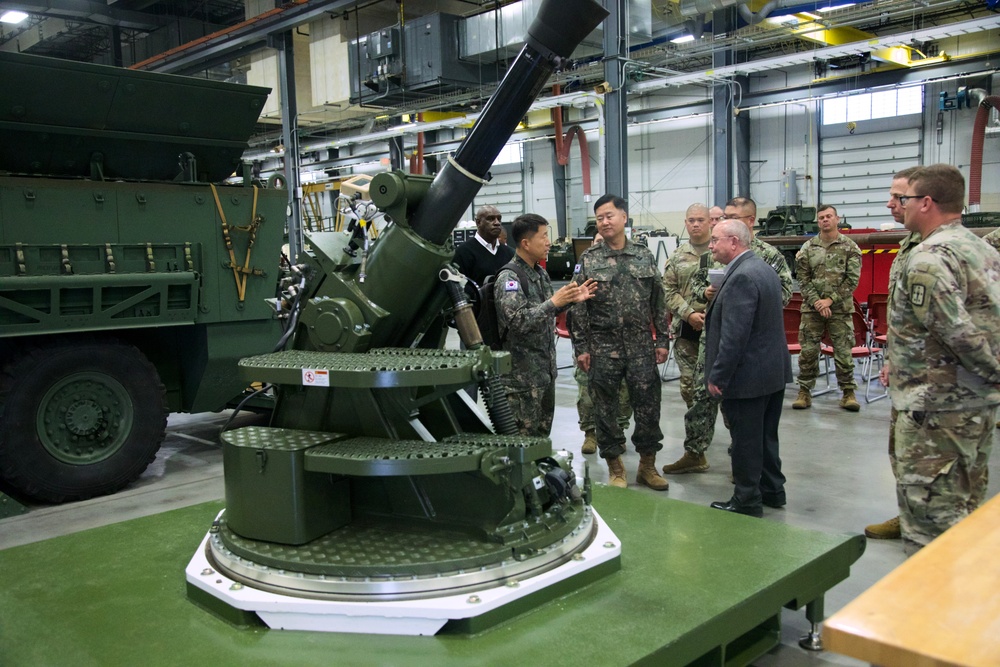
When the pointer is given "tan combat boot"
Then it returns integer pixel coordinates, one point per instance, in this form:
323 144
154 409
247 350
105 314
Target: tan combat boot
616 473
887 530
589 442
804 400
690 462
647 474
848 402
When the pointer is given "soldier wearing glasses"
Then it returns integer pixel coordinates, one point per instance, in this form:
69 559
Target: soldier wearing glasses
943 359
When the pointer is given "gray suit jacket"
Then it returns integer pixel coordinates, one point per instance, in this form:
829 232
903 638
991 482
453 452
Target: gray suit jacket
745 350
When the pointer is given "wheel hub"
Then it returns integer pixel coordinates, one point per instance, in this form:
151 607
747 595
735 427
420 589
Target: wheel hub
84 418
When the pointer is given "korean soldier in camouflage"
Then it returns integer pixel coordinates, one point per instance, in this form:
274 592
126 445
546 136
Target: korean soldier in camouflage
585 404
944 359
889 530
526 315
585 410
622 333
699 420
828 268
688 314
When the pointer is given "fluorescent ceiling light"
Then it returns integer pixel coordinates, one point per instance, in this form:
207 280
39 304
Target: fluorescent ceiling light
833 8
809 15
13 16
787 18
683 39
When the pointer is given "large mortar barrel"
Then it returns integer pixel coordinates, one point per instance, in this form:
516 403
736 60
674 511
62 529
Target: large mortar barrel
559 27
58 116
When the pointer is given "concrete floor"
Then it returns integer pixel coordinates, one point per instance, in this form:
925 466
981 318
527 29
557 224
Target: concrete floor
838 481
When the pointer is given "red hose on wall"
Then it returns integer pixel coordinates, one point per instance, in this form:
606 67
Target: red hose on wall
978 138
563 144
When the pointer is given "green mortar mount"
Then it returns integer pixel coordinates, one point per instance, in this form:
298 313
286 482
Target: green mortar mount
379 480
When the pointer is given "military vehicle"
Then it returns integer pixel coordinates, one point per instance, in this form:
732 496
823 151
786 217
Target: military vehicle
130 283
378 479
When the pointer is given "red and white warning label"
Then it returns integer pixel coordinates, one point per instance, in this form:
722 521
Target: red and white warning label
315 377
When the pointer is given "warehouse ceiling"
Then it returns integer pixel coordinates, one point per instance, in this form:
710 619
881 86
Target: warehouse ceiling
126 32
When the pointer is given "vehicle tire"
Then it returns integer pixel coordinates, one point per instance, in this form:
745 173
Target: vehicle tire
79 418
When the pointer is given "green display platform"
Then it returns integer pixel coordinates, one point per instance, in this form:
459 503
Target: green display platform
697 586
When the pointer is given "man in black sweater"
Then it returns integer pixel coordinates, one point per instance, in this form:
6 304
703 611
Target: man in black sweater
483 255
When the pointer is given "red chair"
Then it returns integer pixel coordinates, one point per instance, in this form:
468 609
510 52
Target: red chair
864 349
562 331
878 314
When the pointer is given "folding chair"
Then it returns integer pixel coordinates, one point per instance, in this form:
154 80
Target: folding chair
864 349
670 354
562 331
793 318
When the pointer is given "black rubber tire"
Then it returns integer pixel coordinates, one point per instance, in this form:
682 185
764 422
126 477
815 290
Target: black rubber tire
102 398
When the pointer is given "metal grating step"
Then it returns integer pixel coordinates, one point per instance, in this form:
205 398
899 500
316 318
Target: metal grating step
379 368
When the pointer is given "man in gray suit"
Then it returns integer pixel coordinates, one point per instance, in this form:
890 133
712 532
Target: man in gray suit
747 366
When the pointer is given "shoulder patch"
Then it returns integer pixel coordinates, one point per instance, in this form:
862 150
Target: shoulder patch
918 294
576 269
511 286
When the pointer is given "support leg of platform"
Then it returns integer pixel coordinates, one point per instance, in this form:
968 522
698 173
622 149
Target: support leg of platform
812 641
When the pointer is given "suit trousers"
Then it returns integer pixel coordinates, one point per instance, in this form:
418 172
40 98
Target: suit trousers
756 464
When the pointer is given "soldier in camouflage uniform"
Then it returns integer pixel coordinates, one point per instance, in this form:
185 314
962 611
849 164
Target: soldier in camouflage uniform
526 315
828 268
889 530
585 404
585 410
699 420
689 314
993 238
613 338
944 359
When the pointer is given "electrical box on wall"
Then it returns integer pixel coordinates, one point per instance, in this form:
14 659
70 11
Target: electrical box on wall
392 66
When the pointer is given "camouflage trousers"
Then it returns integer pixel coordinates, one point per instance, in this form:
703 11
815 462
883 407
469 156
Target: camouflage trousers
686 356
643 383
585 404
533 408
941 469
699 420
811 330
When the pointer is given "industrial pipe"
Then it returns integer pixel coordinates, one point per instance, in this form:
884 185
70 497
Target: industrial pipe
978 138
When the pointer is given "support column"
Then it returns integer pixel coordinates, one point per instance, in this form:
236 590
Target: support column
615 107
723 20
741 146
283 42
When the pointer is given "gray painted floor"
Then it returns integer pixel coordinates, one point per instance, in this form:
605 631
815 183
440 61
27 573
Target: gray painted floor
838 481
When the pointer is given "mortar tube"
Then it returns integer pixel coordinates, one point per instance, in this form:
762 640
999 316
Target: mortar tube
559 27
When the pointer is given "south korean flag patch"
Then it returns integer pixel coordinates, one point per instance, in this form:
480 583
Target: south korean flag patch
511 286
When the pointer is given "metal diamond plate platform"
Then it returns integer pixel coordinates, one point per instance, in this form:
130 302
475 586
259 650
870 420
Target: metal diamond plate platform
381 368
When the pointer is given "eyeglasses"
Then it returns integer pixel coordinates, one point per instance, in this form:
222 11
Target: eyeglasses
905 198
713 240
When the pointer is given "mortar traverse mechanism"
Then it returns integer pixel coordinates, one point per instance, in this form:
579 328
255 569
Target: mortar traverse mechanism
378 481
131 280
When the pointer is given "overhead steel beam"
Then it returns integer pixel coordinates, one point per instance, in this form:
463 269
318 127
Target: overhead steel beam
241 38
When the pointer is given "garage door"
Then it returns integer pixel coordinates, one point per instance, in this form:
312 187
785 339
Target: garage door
856 169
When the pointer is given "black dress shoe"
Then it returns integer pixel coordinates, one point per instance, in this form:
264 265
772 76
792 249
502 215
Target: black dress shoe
774 501
733 505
